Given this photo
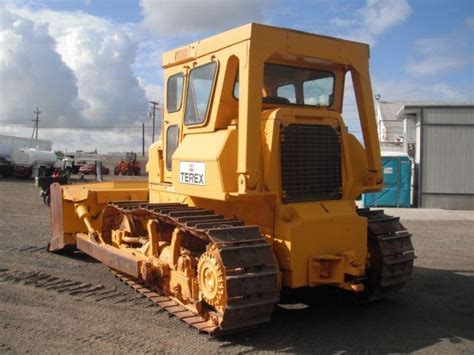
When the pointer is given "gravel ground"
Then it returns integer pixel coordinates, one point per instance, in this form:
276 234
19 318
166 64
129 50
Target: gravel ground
434 313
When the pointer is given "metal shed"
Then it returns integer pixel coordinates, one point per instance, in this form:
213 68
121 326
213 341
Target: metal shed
441 138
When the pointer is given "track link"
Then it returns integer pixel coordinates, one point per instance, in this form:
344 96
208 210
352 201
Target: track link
251 272
391 250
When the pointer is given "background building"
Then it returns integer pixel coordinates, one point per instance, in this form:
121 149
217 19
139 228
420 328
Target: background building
439 137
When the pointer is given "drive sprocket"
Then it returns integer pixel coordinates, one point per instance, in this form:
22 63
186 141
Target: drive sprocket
211 279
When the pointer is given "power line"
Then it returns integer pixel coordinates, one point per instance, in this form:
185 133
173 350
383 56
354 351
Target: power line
154 106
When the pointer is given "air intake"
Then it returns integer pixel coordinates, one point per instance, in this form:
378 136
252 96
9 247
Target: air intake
310 163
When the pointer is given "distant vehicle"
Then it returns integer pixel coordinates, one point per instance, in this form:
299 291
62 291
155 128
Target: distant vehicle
30 162
90 169
67 166
8 144
129 166
80 162
6 168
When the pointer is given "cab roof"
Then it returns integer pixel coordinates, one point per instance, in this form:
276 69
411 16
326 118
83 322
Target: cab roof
273 40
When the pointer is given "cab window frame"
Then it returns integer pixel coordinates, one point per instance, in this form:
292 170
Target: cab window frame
211 94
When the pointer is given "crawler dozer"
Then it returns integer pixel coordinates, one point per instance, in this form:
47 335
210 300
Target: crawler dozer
252 185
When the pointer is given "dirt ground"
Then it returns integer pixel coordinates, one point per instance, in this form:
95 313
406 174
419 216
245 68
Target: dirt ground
434 313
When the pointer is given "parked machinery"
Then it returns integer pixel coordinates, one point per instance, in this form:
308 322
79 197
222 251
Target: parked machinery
69 166
30 162
252 186
129 166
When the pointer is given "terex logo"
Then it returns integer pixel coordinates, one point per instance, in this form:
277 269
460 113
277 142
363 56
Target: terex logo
192 173
191 178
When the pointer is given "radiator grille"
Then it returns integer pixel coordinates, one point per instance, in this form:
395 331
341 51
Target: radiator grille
310 163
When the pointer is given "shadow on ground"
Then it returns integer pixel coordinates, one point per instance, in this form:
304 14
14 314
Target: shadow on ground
77 255
435 306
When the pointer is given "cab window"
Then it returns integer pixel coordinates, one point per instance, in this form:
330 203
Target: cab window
174 90
236 88
201 81
284 84
172 136
288 92
289 85
318 92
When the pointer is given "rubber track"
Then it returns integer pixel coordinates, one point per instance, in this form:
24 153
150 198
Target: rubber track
396 248
250 266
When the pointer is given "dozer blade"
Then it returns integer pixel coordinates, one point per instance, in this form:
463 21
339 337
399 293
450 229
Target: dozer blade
57 230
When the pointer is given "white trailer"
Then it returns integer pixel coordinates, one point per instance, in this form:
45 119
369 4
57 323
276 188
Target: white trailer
33 162
9 144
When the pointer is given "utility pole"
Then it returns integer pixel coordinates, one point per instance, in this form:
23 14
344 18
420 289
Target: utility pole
143 139
153 116
36 121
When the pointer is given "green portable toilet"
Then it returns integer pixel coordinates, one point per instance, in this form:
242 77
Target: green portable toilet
397 182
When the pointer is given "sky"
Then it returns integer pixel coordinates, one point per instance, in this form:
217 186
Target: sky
92 66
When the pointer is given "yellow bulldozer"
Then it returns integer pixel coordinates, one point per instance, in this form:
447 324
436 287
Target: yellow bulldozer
252 185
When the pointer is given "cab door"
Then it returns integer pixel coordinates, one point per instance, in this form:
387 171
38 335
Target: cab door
173 119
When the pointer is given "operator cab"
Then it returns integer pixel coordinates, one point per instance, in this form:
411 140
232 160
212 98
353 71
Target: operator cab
233 92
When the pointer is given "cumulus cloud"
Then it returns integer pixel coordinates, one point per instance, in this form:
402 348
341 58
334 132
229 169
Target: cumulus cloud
147 67
32 72
451 51
61 23
152 91
102 64
77 68
181 17
101 54
375 18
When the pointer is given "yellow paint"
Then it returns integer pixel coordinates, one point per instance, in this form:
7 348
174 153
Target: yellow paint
316 242
91 199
